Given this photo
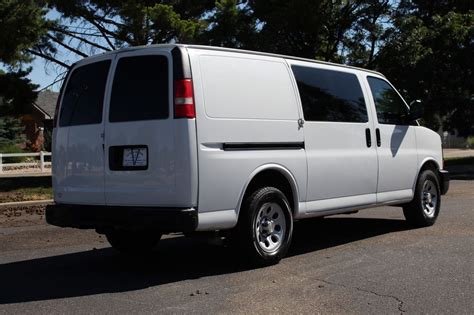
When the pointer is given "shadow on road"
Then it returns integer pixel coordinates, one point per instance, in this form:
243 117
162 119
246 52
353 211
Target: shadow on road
176 259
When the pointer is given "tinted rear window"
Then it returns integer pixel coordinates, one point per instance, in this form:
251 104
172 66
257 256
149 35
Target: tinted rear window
140 89
83 99
328 95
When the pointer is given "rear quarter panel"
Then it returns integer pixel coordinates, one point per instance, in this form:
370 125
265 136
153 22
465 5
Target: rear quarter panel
250 89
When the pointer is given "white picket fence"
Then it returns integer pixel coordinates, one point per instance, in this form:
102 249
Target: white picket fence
39 163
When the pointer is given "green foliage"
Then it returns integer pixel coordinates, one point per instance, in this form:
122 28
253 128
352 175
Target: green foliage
16 92
230 25
470 142
11 148
11 131
312 29
424 47
428 55
23 24
140 22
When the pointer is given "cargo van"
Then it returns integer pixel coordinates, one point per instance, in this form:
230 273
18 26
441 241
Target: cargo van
181 138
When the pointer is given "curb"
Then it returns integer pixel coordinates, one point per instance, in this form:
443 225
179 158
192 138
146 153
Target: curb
27 203
12 175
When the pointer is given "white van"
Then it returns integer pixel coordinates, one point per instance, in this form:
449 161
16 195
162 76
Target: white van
181 138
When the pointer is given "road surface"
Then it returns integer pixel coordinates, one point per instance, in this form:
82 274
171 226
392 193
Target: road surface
370 262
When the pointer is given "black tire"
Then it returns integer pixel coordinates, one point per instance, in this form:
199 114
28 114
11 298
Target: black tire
256 228
133 242
423 210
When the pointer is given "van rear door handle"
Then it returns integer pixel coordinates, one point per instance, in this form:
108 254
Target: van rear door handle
300 123
377 135
368 137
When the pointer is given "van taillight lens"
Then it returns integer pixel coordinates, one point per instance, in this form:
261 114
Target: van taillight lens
184 99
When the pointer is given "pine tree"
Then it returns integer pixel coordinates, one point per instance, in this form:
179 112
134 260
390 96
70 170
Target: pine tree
11 131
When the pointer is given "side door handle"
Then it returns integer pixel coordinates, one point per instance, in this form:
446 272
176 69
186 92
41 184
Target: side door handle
377 135
368 138
102 136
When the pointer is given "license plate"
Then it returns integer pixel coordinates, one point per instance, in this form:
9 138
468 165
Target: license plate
135 157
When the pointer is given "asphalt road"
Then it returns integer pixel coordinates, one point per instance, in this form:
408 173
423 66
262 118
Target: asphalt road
370 262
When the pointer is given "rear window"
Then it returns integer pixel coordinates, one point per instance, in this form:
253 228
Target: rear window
140 89
83 99
328 95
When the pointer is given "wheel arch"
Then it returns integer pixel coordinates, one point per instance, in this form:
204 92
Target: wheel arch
428 163
281 177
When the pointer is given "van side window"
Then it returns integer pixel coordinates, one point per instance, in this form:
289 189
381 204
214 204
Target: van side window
328 95
140 89
83 99
390 107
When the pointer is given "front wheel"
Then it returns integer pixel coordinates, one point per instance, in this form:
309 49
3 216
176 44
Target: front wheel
423 210
265 227
133 242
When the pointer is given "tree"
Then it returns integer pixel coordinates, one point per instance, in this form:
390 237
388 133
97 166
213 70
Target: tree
11 131
93 26
428 55
23 24
423 46
231 24
16 93
363 41
313 29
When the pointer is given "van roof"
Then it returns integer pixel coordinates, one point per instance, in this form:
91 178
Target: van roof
235 50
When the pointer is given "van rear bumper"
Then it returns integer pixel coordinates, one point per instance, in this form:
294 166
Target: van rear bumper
103 218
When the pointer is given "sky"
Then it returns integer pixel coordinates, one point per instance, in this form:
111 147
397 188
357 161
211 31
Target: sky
44 73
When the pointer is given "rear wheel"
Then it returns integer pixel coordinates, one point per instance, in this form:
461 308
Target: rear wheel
265 227
133 242
423 210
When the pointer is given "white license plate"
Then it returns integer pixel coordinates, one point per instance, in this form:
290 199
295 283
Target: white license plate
135 157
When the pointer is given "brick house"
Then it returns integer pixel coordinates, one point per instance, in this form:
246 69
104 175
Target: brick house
39 118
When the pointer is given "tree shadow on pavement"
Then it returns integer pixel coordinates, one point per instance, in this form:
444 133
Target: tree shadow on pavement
176 259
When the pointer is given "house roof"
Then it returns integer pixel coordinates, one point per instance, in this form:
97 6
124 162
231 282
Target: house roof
46 102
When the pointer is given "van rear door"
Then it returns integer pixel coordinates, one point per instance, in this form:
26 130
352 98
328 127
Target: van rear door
78 156
141 160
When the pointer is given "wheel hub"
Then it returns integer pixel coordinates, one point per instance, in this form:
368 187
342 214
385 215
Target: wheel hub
270 227
267 226
428 197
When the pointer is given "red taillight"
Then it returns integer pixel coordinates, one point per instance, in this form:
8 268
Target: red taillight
184 99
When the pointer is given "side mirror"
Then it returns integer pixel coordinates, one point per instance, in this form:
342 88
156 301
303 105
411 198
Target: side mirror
416 110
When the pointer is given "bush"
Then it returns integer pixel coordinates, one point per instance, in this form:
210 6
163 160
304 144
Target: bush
470 142
11 148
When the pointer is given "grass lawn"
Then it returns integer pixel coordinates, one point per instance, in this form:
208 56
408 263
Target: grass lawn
468 160
25 188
